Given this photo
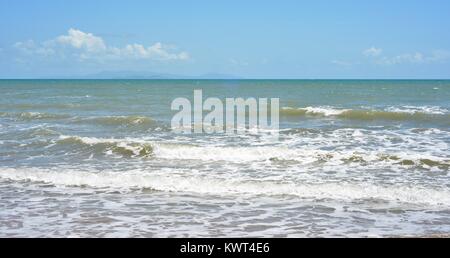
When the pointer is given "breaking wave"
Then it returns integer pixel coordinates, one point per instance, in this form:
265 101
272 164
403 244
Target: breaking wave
34 116
119 120
107 146
392 113
242 154
101 120
172 182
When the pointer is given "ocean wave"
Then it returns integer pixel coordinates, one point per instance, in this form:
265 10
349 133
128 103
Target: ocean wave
167 181
434 110
245 154
108 146
34 116
36 132
391 113
55 106
100 120
118 120
319 111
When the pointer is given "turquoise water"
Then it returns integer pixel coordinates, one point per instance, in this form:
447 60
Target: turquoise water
98 158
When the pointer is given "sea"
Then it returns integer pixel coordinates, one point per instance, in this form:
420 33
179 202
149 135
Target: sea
98 158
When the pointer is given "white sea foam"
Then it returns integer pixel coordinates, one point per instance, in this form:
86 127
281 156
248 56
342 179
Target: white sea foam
335 111
434 110
321 110
170 181
303 151
134 146
326 110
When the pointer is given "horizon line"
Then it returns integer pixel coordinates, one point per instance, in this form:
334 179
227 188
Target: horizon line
236 79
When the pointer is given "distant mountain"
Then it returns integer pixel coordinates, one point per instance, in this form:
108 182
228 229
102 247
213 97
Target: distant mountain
129 75
150 75
218 76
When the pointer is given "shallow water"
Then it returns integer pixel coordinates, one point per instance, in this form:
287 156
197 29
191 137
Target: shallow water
98 158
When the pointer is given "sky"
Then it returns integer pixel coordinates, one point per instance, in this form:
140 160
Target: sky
251 39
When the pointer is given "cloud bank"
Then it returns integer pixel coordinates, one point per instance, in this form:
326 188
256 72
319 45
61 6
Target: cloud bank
375 55
87 46
373 51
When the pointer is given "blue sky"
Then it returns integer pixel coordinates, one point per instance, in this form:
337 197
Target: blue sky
251 39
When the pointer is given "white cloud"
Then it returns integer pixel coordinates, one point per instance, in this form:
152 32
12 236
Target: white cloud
156 51
30 47
26 46
407 58
82 40
439 55
415 58
373 51
87 46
